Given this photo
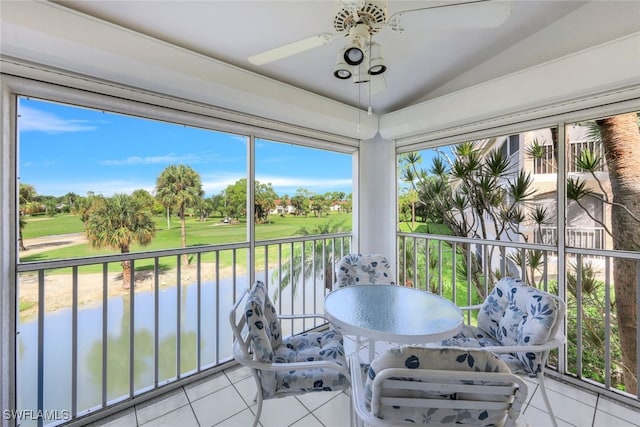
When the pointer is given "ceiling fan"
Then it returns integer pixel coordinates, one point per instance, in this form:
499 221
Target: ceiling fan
359 20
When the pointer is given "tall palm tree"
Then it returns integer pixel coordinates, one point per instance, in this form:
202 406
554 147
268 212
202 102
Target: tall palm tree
117 222
621 140
180 187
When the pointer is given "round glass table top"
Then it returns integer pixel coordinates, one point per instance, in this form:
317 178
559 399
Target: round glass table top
393 313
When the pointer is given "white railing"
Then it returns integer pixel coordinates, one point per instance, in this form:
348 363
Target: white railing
464 269
87 347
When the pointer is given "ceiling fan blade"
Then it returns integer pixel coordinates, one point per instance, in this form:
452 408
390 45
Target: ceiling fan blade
473 14
299 46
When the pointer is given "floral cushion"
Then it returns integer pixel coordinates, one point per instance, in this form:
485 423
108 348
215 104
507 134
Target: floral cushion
269 346
263 323
453 359
357 269
513 314
310 346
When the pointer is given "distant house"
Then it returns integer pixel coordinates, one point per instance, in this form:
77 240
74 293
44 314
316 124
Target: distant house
339 206
283 207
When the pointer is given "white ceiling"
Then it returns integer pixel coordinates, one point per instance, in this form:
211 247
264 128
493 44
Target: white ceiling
423 63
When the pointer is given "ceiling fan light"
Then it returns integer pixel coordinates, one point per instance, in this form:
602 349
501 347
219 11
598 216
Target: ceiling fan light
376 64
341 73
353 55
376 67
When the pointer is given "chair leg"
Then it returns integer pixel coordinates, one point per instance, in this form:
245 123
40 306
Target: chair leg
258 398
546 399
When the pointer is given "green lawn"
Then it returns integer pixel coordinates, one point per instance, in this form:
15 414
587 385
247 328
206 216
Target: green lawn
209 232
40 226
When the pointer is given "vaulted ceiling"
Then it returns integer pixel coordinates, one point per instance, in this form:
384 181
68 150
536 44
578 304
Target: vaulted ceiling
431 57
439 52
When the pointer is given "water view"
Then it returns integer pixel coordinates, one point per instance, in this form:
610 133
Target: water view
215 342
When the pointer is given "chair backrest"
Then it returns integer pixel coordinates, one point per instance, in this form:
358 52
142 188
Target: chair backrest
359 269
515 314
443 386
262 319
257 332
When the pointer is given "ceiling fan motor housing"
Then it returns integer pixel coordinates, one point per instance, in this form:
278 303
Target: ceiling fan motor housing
373 13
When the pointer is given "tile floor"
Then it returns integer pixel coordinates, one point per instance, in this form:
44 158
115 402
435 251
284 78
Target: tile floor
226 400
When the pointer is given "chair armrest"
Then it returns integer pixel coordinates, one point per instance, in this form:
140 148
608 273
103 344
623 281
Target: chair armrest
470 307
303 316
357 392
556 342
240 357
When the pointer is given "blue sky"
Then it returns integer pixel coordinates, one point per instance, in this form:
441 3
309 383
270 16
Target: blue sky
69 149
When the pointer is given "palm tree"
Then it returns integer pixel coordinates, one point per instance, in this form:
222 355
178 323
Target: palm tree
621 139
27 195
318 257
117 223
180 187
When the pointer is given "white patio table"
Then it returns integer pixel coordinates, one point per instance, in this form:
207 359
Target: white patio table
392 313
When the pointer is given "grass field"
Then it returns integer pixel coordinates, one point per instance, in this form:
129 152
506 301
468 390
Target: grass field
199 233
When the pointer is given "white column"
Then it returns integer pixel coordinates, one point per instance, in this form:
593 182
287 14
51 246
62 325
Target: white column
375 219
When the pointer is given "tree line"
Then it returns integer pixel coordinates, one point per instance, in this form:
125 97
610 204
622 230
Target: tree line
119 221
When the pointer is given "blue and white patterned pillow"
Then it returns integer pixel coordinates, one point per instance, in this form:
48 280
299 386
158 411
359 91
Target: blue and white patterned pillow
513 314
358 269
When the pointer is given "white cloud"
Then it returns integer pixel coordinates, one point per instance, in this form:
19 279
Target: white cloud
41 121
105 188
308 183
171 158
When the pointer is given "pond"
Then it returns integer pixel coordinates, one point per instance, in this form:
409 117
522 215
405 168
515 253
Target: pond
215 342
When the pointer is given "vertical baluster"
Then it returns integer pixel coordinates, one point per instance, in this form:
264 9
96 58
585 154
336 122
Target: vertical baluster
217 264
427 265
132 298
198 310
303 269
105 307
579 315
314 272
156 320
74 342
469 270
607 323
440 267
291 284
178 313
454 249
41 307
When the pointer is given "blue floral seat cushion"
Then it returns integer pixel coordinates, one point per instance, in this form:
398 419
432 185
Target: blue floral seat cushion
310 346
454 359
512 314
358 269
269 346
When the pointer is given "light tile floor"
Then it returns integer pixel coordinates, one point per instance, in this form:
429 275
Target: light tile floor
225 399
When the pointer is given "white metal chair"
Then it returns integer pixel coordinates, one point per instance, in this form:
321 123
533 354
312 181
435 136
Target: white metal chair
308 362
521 324
359 269
436 386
